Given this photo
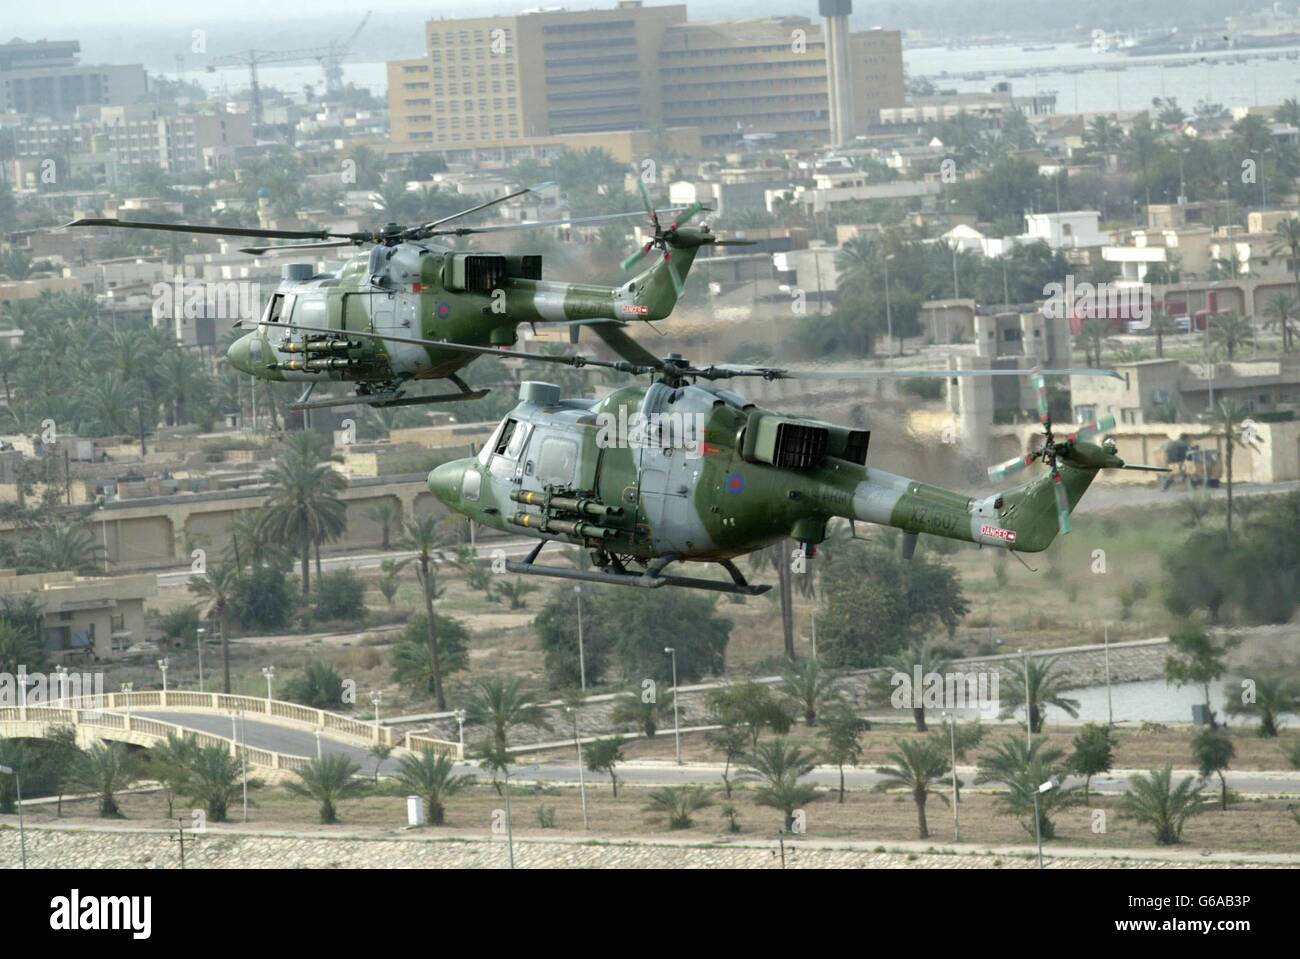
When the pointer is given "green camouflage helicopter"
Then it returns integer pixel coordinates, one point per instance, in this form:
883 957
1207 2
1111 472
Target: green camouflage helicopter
405 285
682 470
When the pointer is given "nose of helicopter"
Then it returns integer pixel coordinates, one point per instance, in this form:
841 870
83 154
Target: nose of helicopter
238 352
445 481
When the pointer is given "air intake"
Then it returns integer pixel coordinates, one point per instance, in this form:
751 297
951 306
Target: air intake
538 393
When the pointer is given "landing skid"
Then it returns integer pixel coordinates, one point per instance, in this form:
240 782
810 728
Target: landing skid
390 398
652 578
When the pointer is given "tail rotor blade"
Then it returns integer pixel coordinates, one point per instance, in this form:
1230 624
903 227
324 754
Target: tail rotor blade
1104 425
637 256
1062 503
1003 470
673 275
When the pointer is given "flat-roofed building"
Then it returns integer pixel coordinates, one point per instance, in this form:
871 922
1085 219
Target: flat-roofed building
85 617
44 78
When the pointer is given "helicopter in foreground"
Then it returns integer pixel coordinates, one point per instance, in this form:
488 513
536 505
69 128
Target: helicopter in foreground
420 293
683 470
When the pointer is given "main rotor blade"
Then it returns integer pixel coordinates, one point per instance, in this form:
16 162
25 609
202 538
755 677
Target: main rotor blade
679 285
636 257
219 230
1104 425
575 361
611 332
433 224
326 244
774 373
1040 385
539 224
645 200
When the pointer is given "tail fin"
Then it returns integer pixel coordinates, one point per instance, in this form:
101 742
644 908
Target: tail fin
659 287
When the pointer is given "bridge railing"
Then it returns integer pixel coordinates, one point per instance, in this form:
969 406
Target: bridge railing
274 709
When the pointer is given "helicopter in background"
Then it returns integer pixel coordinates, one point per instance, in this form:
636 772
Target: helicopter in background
419 293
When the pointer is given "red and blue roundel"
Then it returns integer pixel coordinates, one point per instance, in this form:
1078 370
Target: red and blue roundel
735 484
444 310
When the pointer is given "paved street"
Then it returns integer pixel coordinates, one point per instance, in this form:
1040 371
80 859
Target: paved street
296 742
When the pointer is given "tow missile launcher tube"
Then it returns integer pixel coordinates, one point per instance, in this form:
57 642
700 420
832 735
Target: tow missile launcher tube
566 504
548 524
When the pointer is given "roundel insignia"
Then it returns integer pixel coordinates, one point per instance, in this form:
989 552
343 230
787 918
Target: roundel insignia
735 484
444 310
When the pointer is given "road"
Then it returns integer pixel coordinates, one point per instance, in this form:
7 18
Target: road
510 547
297 742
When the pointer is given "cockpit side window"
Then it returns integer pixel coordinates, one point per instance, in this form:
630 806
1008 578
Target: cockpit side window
274 309
505 435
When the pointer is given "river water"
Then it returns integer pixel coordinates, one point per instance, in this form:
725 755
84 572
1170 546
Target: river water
1105 81
1148 700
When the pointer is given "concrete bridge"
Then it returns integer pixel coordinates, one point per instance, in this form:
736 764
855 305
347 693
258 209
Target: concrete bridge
276 737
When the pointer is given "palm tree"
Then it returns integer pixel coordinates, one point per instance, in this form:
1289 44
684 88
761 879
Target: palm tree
807 686
381 752
779 557
328 780
1093 334
1213 751
515 590
1023 768
1103 134
217 586
677 803
1281 310
424 536
169 764
1230 331
499 704
918 766
385 513
304 508
60 545
1287 240
603 756
1154 801
781 765
105 769
906 662
1274 696
1047 686
432 778
632 708
1162 325
214 778
1228 416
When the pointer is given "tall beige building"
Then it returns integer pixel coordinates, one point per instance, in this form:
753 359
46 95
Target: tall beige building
501 81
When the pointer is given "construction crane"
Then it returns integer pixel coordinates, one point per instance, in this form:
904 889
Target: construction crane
330 58
332 61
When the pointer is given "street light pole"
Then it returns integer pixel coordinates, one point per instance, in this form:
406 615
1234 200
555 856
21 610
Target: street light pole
376 697
1029 714
510 831
1110 709
460 727
269 673
952 739
582 663
889 311
677 729
200 632
162 666
22 829
582 782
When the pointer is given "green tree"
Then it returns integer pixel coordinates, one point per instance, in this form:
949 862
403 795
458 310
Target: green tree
57 546
1213 752
1196 660
780 766
603 756
678 803
1094 754
341 595
1270 697
431 777
1047 685
918 765
1228 417
732 740
169 764
753 706
105 769
425 537
808 687
328 780
1154 801
499 704
1230 331
412 665
905 663
304 506
319 686
216 587
635 708
214 779
1023 768
841 729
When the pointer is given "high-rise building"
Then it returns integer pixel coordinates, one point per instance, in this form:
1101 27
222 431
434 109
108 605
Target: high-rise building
508 80
45 79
